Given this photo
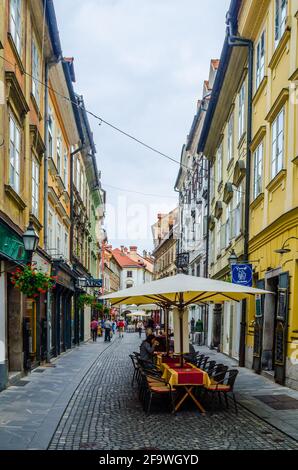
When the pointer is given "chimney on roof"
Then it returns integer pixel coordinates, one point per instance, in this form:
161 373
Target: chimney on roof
145 254
133 248
122 248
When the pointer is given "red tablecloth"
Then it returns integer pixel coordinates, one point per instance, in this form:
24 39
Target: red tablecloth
170 360
187 375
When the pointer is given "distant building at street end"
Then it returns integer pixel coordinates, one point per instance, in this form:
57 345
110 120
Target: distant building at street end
135 268
165 232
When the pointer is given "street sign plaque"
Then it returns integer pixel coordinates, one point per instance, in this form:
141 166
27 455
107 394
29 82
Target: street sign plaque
90 282
242 274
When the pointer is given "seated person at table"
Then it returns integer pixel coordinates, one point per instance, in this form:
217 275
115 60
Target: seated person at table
161 344
147 349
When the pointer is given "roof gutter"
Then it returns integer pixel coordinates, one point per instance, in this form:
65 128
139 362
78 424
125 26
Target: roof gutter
237 41
73 100
53 28
220 75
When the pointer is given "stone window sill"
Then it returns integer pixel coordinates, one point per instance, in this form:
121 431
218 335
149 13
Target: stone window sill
280 47
241 140
276 180
13 195
16 52
35 221
230 164
36 107
260 89
257 201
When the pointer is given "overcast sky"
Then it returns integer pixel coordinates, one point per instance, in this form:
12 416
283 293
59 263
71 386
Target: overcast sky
140 65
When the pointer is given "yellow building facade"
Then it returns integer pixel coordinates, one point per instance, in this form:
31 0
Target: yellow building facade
22 149
251 140
48 179
272 331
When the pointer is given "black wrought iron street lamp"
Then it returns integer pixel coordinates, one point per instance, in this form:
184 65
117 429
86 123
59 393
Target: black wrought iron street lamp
233 258
182 262
30 240
283 249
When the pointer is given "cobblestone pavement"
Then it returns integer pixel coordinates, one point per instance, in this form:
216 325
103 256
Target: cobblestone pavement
104 413
30 410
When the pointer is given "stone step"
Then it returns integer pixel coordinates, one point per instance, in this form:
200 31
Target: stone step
14 377
268 374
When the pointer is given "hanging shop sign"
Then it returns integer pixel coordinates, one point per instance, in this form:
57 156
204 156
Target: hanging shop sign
11 245
89 282
242 274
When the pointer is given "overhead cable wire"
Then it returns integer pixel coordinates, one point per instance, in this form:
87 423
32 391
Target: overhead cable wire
101 120
137 192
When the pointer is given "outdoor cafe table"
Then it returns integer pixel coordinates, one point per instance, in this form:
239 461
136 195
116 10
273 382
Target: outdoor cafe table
162 358
187 377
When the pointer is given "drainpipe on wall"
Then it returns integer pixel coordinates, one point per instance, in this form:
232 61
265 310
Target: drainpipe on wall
72 154
76 309
48 65
45 199
236 41
206 273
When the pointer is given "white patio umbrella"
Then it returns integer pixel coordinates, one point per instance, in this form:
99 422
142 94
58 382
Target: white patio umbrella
137 314
148 307
180 291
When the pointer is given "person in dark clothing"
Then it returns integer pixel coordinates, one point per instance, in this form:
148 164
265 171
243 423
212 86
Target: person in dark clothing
150 327
108 328
147 349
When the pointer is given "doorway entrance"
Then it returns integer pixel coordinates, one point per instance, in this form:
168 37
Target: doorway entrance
270 330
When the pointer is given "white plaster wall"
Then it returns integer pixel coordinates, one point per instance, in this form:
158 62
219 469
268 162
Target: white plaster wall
226 328
292 369
210 325
2 315
87 321
248 357
236 329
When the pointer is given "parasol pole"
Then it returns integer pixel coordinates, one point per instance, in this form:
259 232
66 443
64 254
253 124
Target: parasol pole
181 311
166 314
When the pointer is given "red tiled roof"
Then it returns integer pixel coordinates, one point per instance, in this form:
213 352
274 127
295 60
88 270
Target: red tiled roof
215 63
123 260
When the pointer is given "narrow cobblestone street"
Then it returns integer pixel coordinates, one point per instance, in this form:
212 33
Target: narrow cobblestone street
87 402
104 413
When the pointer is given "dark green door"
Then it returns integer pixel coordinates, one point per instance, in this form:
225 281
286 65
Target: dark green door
281 328
258 329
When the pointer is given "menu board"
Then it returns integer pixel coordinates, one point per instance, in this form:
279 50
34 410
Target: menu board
282 304
279 344
257 338
259 310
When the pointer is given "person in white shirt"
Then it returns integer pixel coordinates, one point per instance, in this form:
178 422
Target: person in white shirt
140 327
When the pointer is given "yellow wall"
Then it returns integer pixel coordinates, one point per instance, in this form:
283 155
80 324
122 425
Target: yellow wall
17 65
274 216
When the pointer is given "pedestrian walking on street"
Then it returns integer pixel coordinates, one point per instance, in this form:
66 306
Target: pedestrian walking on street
120 326
108 328
93 326
140 327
